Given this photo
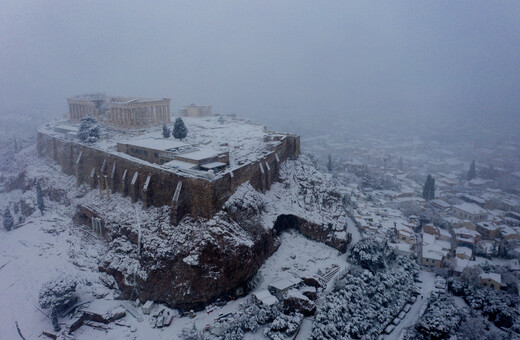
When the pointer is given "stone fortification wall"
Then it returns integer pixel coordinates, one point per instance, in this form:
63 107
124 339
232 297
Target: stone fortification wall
158 187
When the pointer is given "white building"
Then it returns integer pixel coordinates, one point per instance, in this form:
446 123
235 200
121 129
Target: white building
470 212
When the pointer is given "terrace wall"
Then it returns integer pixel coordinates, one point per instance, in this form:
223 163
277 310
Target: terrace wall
198 197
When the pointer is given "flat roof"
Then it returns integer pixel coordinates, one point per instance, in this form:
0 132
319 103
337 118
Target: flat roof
161 144
285 283
470 208
432 252
213 165
176 164
265 297
199 154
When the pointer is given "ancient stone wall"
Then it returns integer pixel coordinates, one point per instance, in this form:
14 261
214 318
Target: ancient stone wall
154 186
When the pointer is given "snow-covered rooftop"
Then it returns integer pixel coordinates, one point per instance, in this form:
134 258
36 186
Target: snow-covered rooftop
464 251
470 208
265 297
491 276
156 143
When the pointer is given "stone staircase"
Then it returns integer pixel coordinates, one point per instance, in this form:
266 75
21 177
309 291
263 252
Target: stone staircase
132 311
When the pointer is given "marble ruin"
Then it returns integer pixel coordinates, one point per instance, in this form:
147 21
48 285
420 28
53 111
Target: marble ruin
124 112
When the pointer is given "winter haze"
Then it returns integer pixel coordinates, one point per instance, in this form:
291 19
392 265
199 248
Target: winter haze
260 170
281 63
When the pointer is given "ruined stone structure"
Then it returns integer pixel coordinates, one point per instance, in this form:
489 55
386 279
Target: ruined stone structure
120 111
154 185
195 111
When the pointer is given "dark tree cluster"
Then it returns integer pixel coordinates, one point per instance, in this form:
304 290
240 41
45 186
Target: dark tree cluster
499 307
8 219
166 132
440 320
429 188
472 172
363 302
179 129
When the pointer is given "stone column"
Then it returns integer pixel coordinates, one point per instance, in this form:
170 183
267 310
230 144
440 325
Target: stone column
168 115
127 115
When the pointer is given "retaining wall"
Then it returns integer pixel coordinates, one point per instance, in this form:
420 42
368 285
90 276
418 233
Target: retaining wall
157 187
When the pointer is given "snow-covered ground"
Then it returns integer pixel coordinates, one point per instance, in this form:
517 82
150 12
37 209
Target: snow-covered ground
298 256
35 253
44 246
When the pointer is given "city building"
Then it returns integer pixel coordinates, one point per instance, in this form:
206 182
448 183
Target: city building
470 212
491 280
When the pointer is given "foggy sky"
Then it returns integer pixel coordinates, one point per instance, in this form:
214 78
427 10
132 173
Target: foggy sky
268 60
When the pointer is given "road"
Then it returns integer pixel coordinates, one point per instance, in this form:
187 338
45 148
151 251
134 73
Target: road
428 283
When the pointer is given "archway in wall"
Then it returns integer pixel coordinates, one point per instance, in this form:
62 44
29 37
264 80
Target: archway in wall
285 222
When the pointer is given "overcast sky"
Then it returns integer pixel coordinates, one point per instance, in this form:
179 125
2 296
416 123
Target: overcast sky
267 59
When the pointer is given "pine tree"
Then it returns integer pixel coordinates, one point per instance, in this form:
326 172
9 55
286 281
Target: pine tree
55 323
472 173
165 131
89 130
429 188
329 164
39 197
179 129
8 219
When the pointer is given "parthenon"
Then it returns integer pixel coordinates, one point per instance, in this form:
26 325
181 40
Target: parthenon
121 111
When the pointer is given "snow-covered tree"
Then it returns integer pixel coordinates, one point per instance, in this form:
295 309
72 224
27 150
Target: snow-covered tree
283 326
39 197
191 333
472 172
441 319
89 129
165 131
179 129
329 164
369 254
429 188
59 293
8 219
363 302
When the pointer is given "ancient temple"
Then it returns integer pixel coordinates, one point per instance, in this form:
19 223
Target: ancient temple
122 112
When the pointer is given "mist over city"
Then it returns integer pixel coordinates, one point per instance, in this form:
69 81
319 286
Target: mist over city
259 170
